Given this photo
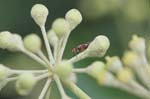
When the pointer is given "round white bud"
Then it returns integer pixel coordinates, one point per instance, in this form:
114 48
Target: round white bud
125 75
63 69
137 44
98 47
114 64
74 18
12 42
16 43
33 43
106 78
39 13
61 27
25 83
95 69
53 39
4 39
131 59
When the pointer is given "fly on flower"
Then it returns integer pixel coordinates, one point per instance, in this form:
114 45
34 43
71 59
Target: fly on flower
80 48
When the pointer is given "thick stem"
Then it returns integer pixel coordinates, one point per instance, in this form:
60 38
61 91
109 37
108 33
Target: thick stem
45 88
60 87
65 42
55 50
47 45
35 57
137 86
145 73
143 76
64 45
40 77
42 56
58 51
48 93
76 90
29 71
132 90
78 57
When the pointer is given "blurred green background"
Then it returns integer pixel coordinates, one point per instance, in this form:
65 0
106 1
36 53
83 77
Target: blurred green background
118 19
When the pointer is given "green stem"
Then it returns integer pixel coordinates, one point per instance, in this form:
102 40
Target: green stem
47 45
76 90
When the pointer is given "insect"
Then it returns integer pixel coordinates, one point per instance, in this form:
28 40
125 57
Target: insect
80 48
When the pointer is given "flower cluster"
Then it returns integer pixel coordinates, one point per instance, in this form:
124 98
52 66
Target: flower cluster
116 72
123 72
57 69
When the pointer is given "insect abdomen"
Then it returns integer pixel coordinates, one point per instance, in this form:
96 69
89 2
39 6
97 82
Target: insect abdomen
80 48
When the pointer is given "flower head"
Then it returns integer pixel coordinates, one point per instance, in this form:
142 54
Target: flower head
56 68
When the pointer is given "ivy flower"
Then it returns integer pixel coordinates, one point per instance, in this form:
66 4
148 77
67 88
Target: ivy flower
57 69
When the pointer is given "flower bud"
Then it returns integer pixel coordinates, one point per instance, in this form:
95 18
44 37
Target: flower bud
137 44
131 59
39 13
12 42
74 18
4 72
95 69
63 69
106 78
125 75
53 39
25 83
61 27
114 64
33 43
16 43
98 46
4 39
